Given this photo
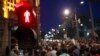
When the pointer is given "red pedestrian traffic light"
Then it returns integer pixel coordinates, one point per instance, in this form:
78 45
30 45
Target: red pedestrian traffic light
26 14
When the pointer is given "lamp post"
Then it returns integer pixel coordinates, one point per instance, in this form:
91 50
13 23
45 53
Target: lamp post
66 13
76 21
92 20
82 2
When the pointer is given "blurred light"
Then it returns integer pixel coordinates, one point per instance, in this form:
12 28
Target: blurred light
15 28
82 2
17 1
8 6
59 25
87 33
46 36
79 21
5 13
34 13
49 32
64 29
66 12
5 9
53 30
27 14
81 24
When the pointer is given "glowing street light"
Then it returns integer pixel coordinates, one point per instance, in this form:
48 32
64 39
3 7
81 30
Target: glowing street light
66 12
82 2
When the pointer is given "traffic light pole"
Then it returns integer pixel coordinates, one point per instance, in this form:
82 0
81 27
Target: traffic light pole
5 38
38 22
38 19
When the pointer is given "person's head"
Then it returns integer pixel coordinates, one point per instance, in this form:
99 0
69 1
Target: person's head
14 47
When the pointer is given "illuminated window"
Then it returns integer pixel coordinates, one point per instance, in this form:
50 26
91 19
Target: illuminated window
11 3
8 5
17 1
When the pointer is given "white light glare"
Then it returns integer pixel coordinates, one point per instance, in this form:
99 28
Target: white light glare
88 33
53 29
64 29
81 24
49 32
59 25
79 21
82 2
66 12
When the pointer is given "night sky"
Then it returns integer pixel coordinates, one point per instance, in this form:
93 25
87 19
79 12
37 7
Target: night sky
52 11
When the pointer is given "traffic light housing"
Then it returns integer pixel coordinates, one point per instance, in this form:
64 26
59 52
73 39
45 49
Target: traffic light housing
26 14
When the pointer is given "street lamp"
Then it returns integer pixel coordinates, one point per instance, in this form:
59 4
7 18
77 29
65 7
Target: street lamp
82 2
66 12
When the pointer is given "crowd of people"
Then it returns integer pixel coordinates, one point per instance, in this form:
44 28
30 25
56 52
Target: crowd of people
70 47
